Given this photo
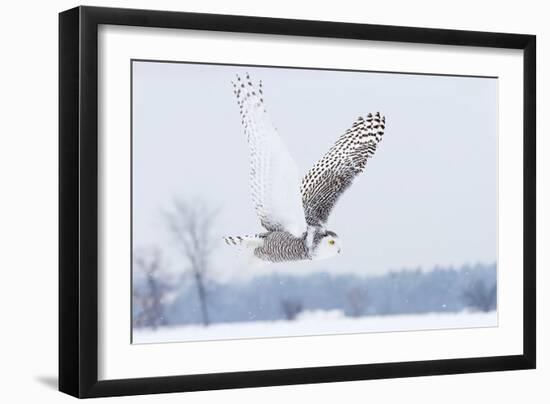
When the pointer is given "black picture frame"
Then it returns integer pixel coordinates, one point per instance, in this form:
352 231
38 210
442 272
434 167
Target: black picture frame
78 201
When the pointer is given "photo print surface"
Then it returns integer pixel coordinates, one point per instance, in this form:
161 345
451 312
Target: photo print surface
276 202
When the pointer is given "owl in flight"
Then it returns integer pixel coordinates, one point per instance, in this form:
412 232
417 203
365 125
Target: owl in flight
294 211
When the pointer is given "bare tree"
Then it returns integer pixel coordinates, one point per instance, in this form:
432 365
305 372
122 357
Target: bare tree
480 296
358 301
291 308
149 296
191 226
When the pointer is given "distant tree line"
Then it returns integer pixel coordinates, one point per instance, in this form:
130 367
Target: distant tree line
283 297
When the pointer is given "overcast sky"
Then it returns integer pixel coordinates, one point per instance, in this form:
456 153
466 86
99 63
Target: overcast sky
428 197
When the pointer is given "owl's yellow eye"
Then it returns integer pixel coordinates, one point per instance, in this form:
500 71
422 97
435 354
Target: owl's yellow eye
331 242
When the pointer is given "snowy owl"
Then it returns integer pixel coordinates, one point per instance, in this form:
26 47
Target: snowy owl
294 212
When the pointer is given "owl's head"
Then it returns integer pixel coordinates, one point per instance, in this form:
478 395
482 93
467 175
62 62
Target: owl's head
327 245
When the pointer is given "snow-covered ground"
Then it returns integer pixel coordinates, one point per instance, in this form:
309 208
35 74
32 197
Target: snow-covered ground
316 323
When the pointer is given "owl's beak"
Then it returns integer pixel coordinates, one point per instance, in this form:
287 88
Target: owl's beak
339 250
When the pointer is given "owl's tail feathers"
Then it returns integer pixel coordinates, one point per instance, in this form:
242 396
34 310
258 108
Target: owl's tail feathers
249 242
246 246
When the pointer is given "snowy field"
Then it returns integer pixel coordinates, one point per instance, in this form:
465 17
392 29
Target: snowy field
316 323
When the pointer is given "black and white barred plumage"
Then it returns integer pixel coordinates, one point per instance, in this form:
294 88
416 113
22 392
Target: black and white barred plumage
295 212
334 173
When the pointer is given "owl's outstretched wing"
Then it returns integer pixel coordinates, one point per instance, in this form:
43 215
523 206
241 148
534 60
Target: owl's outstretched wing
334 173
274 177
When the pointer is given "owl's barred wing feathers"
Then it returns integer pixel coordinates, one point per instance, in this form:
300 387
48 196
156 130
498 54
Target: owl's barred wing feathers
334 173
274 177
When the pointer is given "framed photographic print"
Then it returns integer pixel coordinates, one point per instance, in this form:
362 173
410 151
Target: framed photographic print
249 201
